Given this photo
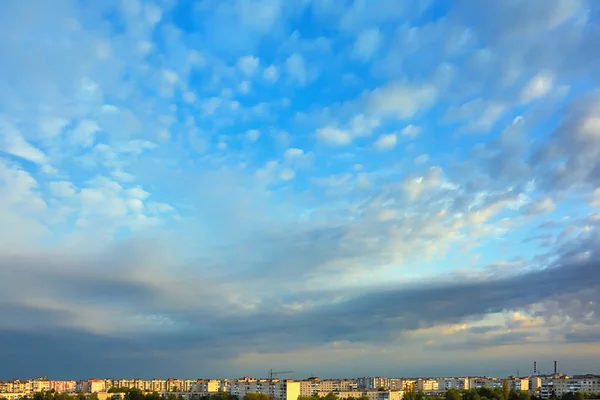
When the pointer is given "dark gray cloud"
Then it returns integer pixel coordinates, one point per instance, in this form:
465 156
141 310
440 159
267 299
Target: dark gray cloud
366 316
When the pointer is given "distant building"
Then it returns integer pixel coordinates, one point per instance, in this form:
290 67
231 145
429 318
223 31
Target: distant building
371 394
277 389
205 386
368 382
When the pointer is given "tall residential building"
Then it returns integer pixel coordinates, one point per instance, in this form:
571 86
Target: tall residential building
368 382
396 384
277 389
205 386
427 385
518 384
310 386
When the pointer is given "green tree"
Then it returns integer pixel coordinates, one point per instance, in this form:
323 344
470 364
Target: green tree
256 396
453 394
505 389
410 392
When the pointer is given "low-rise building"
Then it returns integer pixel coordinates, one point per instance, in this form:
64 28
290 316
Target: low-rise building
370 394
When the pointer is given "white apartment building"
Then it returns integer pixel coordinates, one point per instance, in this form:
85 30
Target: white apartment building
277 389
578 383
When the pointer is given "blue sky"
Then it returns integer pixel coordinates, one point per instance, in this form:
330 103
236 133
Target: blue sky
203 188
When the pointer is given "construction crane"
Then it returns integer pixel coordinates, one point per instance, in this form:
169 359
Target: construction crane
273 373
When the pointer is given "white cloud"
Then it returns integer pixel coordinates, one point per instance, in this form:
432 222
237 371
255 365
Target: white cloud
287 174
62 189
293 153
541 206
52 126
360 125
84 132
109 108
164 134
123 176
271 73
295 66
538 86
486 119
411 131
400 100
334 136
245 87
248 64
594 198
422 159
137 192
161 208
153 13
252 135
170 76
367 43
189 97
385 142
12 142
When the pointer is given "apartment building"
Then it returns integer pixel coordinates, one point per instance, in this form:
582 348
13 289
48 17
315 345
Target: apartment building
371 394
484 382
427 385
453 383
63 386
310 386
205 386
535 382
518 384
577 383
158 385
93 386
6 387
395 384
368 382
277 389
19 386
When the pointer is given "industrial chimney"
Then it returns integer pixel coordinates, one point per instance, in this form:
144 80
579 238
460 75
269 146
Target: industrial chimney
554 367
534 368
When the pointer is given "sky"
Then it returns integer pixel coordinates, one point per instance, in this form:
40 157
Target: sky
216 188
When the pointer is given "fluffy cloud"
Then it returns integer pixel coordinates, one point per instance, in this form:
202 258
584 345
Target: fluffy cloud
271 73
334 136
367 43
248 64
296 68
385 142
539 86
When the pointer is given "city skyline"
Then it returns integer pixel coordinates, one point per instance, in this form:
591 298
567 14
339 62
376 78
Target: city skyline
222 187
